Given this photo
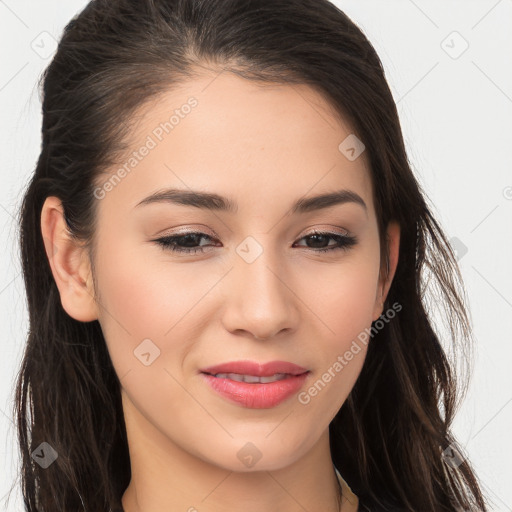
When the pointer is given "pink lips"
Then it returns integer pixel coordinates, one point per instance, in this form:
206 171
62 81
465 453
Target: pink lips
257 369
256 395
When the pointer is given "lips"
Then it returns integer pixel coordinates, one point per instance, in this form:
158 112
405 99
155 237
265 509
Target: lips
255 385
256 369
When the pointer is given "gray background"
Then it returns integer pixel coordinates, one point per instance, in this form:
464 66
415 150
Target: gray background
455 105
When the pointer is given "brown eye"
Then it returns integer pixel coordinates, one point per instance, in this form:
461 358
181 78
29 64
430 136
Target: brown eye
186 243
319 238
189 243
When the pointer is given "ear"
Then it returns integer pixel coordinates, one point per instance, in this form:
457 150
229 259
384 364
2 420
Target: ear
69 263
387 273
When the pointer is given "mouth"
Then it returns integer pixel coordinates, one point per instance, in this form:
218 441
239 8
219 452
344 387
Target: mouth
252 379
255 369
254 385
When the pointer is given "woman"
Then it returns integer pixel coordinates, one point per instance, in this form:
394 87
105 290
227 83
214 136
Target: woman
286 363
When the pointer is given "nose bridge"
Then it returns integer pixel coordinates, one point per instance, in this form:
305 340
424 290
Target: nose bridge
261 301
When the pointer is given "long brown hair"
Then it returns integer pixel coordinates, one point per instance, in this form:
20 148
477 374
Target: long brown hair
389 438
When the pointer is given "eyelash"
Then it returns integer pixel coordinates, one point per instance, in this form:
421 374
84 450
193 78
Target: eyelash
345 242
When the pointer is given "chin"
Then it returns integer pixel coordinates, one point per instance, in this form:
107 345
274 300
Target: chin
261 454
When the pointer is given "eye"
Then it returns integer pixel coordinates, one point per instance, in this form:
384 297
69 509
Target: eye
189 240
343 242
189 243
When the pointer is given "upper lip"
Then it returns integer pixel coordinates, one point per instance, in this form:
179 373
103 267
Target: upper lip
255 368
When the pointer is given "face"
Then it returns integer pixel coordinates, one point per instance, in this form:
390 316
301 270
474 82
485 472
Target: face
262 280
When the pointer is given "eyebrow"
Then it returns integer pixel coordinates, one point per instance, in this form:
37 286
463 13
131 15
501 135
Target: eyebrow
212 201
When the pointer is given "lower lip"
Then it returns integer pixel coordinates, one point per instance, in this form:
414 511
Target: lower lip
259 395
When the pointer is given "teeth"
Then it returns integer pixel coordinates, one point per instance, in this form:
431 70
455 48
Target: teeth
252 379
273 378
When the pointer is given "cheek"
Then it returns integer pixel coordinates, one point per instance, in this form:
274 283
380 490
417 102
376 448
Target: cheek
343 295
343 300
345 307
142 301
144 289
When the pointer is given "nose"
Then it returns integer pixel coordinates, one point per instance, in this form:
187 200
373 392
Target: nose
260 299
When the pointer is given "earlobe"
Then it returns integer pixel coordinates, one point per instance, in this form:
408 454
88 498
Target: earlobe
388 268
69 263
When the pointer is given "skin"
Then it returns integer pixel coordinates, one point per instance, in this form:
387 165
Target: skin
263 147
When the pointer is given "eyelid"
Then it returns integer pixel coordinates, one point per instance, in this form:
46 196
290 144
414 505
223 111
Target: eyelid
307 232
323 229
190 229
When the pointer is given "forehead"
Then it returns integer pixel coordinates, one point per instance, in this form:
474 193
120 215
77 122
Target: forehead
241 138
